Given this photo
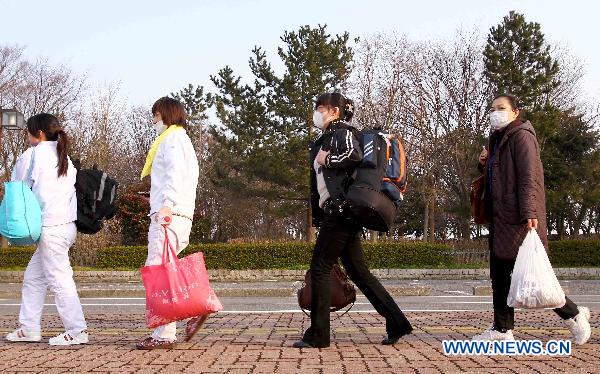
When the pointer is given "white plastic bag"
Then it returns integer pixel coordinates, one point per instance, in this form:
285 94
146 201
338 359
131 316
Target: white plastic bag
533 283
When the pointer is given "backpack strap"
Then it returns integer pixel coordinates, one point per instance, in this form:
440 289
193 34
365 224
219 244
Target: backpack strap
30 170
343 125
101 189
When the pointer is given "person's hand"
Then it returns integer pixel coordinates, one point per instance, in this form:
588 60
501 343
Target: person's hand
483 156
532 223
165 214
321 157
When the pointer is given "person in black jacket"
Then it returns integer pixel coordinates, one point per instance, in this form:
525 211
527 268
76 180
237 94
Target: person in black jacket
333 157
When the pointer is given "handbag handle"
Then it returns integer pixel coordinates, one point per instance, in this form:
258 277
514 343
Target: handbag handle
169 253
30 169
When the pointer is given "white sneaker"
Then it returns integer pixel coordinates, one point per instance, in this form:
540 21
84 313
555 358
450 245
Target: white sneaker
69 339
491 334
20 335
580 326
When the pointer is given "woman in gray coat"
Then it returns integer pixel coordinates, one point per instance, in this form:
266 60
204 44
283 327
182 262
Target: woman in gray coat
515 203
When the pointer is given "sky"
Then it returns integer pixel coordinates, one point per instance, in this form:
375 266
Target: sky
152 48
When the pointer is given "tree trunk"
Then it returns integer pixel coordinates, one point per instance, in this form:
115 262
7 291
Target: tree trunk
466 228
310 230
578 221
465 218
560 226
432 218
374 236
426 220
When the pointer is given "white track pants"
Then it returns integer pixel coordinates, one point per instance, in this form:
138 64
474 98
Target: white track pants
49 267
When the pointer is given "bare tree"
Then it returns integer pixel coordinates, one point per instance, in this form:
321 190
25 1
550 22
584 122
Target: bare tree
567 93
435 96
31 88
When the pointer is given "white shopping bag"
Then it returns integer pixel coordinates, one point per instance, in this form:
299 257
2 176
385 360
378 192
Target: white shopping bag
533 283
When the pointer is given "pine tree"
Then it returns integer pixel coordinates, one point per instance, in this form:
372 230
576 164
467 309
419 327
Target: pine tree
266 126
518 61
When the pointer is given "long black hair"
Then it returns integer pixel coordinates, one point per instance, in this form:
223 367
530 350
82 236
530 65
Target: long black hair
50 126
336 99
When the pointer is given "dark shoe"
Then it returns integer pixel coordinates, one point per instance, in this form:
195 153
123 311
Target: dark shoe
303 344
193 325
390 341
151 343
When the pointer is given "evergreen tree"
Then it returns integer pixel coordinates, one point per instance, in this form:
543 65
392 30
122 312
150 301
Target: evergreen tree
517 60
265 127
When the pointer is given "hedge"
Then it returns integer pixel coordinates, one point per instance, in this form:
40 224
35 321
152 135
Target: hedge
292 255
575 253
15 257
296 255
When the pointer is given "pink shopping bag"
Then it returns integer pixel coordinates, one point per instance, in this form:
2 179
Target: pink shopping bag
178 288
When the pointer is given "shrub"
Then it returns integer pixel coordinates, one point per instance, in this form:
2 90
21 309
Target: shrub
575 253
297 255
291 255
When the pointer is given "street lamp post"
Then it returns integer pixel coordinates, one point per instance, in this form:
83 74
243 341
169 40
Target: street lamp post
10 119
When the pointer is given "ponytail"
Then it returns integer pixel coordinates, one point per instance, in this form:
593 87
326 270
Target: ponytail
62 148
348 110
49 125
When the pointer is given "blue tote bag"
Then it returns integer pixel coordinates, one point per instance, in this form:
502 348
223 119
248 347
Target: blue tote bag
20 212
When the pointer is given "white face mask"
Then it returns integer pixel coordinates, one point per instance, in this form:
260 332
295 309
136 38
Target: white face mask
160 127
499 119
319 119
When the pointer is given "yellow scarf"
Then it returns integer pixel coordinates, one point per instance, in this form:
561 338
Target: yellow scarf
152 153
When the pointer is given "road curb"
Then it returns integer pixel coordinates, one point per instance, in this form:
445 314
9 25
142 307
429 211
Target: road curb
138 291
219 275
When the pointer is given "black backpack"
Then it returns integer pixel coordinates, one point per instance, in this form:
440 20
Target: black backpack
375 193
96 196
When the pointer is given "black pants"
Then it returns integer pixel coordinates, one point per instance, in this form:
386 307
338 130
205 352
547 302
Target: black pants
504 316
339 239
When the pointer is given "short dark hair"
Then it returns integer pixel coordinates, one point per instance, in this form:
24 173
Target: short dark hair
336 99
171 111
514 101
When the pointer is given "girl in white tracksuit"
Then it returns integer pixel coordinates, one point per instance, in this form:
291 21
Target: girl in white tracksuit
173 167
53 183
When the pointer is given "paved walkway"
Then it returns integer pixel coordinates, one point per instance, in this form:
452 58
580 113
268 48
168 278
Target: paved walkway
260 343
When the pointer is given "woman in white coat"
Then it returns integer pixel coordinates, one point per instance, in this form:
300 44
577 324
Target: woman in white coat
173 168
52 180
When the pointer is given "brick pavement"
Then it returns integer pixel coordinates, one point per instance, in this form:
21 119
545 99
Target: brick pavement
260 343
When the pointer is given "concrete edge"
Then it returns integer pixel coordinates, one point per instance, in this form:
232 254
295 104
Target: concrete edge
220 275
221 292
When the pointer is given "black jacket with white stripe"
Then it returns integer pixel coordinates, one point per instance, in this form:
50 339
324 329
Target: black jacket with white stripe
341 140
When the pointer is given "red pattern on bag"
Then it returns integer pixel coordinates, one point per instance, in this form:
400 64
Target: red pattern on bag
177 289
